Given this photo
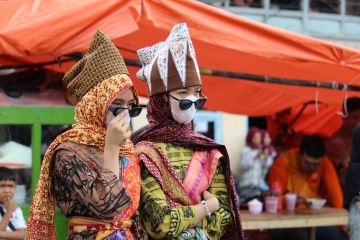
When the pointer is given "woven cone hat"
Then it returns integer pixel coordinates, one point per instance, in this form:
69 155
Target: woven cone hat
170 65
102 61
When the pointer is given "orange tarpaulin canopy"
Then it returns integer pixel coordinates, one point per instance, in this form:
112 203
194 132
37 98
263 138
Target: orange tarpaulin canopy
38 30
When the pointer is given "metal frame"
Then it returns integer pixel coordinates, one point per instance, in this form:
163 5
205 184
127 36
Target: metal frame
304 14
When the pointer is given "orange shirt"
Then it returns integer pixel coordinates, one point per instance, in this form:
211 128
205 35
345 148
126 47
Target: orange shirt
286 171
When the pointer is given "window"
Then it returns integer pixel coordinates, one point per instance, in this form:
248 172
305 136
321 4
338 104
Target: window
286 4
248 3
353 7
325 6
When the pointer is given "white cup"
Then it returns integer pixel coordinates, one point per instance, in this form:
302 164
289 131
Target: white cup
290 201
255 206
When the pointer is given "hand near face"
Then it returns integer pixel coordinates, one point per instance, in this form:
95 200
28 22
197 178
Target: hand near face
10 205
118 130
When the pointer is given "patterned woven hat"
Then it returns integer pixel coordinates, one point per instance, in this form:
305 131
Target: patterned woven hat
170 65
101 62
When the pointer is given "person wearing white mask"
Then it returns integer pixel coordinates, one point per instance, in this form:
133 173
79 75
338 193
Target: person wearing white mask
187 189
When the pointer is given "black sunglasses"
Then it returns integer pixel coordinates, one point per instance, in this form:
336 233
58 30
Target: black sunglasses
186 103
133 112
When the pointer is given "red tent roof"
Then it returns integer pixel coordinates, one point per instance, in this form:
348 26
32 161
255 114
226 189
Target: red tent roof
39 30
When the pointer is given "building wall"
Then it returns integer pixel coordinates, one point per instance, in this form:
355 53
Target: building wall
349 43
234 133
337 28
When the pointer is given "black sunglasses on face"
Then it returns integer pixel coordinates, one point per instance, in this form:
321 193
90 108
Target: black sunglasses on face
134 111
186 103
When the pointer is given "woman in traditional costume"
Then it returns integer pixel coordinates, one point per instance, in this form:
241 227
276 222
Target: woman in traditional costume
91 171
187 187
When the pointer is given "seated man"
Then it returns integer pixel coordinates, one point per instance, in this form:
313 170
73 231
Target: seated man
309 174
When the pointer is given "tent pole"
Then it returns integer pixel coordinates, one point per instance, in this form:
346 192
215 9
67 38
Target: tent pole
242 76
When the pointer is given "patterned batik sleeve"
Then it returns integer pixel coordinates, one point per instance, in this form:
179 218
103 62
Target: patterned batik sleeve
216 226
98 189
161 221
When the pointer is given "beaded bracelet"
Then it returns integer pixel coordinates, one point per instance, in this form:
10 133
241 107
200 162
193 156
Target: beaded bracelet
208 213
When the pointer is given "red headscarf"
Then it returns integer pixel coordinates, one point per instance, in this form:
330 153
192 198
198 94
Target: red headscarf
250 136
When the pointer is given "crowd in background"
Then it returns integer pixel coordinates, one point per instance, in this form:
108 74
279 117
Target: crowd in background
312 167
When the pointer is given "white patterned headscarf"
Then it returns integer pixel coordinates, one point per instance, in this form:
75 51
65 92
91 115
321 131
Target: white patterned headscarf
170 65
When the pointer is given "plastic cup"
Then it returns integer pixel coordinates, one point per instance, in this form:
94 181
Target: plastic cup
271 204
290 201
255 206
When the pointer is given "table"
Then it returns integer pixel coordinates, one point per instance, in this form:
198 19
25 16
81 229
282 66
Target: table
310 218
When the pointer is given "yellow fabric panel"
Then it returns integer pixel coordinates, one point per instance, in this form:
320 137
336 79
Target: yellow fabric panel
160 221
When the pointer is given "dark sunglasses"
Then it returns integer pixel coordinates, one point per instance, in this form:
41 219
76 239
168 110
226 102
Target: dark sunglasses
133 112
186 103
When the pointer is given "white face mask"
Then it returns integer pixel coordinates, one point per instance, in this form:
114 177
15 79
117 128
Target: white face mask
182 116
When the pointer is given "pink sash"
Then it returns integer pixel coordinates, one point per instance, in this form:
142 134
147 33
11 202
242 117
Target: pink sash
200 173
198 177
